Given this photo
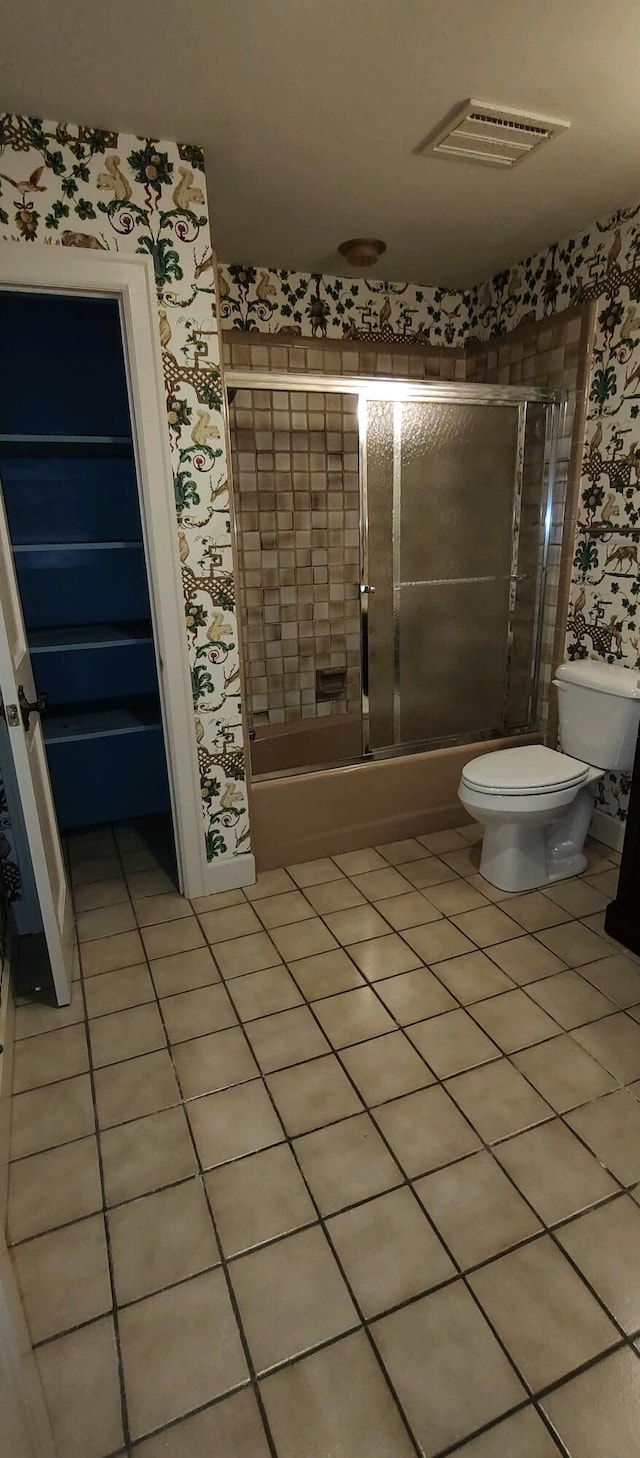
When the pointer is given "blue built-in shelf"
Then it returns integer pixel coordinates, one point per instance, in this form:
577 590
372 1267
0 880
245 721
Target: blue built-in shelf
107 763
89 496
77 584
70 490
89 663
23 548
67 725
102 635
65 440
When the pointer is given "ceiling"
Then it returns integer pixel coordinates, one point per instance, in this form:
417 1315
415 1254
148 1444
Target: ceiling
309 112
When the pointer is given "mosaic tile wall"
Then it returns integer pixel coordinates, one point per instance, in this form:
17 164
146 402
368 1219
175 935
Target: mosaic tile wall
298 453
82 187
295 466
251 350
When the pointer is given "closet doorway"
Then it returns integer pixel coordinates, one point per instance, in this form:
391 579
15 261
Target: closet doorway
94 676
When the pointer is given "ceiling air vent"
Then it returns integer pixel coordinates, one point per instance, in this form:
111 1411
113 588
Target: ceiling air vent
495 136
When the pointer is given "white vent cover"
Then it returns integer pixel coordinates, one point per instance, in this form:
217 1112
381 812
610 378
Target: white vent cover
495 136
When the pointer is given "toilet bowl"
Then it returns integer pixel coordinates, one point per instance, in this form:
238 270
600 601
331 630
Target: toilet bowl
533 803
536 803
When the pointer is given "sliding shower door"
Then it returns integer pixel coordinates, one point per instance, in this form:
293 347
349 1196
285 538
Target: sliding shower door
453 554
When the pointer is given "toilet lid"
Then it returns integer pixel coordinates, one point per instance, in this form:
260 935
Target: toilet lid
532 768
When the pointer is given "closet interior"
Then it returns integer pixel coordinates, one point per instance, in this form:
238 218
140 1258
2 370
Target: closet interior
68 477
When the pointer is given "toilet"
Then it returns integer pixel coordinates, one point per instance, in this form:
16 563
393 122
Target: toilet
536 803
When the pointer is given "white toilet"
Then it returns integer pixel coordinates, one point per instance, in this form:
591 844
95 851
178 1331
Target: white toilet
536 803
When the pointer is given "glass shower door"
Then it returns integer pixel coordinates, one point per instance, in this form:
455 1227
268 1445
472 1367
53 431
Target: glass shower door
455 508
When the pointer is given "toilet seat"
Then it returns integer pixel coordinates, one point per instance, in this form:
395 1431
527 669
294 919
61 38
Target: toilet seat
531 769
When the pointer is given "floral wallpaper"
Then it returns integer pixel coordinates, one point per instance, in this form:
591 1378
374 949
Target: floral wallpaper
325 307
79 187
600 264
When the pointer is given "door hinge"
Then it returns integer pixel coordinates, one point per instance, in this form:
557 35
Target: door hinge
39 706
9 712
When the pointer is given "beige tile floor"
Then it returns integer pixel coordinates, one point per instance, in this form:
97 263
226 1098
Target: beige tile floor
346 1163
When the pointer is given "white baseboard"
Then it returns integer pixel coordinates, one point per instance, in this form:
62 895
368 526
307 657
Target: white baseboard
229 874
607 829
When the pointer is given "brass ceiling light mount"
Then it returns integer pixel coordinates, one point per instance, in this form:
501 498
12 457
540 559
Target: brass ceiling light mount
362 252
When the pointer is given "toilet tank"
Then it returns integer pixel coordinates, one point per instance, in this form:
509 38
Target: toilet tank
599 711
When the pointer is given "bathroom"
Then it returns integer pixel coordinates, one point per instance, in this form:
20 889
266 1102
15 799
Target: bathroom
320 998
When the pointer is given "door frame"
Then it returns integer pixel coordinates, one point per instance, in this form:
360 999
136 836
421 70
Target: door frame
131 281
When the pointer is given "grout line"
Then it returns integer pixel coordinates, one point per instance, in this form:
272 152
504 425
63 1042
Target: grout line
404 1181
105 1222
223 1265
288 1140
546 1230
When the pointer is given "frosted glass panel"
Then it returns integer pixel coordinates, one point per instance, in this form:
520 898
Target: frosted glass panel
456 471
456 513
453 640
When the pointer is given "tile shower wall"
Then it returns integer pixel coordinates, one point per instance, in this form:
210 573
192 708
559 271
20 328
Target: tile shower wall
298 453
249 350
295 464
554 354
89 188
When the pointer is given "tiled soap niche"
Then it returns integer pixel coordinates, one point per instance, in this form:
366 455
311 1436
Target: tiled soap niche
295 464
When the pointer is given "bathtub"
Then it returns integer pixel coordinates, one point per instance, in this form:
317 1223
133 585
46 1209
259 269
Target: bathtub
277 747
300 817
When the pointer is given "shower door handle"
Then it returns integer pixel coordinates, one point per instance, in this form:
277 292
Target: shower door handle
366 591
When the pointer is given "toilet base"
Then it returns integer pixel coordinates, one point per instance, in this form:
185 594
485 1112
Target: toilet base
520 856
514 857
573 866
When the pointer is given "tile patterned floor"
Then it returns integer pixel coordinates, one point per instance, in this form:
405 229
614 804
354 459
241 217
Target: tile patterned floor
348 1162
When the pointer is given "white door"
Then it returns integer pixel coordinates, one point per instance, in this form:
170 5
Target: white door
31 771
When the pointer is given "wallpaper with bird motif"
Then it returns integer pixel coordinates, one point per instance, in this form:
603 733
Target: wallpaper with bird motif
80 187
323 306
601 264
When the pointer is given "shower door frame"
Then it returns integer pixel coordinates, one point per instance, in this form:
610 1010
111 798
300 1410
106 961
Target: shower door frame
399 391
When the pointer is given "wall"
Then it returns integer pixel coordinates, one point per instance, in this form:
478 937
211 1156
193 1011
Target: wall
555 354
71 186
601 265
326 307
295 469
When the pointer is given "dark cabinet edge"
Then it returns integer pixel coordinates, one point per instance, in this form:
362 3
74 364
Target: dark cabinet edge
622 917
